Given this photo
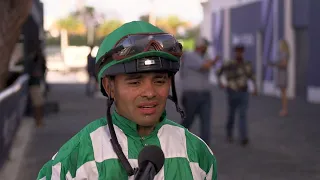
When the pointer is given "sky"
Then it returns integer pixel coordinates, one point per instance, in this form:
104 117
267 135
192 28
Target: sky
127 10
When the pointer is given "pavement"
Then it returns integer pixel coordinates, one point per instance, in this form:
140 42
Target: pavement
280 148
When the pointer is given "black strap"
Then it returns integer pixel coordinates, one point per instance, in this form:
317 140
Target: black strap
115 143
174 98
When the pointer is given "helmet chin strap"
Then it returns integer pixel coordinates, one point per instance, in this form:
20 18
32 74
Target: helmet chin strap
174 98
115 143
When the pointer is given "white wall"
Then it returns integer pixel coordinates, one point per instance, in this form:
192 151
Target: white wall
208 8
206 24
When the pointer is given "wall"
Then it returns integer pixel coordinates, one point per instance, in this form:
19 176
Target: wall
206 24
272 28
217 31
300 13
314 53
211 7
217 40
279 19
217 5
245 22
305 15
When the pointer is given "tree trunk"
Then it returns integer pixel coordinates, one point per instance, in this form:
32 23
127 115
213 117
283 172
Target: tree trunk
12 16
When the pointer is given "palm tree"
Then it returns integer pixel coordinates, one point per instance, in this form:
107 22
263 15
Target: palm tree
107 27
171 24
91 19
69 25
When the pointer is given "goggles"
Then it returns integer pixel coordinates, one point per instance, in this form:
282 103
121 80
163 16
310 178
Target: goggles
133 44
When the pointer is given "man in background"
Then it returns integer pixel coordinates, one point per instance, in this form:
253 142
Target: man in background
237 72
91 86
196 88
35 70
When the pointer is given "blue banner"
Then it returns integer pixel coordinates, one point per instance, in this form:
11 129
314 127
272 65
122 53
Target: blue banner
272 26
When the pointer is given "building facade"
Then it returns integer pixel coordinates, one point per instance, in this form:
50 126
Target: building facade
259 25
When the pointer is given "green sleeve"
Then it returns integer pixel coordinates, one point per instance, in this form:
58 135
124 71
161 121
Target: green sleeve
212 174
199 152
46 171
76 152
209 162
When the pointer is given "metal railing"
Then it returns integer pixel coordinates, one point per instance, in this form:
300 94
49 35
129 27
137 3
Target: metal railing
13 101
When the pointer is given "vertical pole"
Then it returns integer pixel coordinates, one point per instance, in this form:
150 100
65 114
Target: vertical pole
275 40
259 63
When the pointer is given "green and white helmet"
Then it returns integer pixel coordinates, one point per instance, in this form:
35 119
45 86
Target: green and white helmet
136 47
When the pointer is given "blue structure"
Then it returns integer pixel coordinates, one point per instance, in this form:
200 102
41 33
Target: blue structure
245 22
260 26
306 22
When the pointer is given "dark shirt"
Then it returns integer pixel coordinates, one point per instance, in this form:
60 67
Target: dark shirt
35 69
91 61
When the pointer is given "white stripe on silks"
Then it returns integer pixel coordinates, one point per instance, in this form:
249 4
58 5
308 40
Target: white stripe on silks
56 170
196 168
87 171
44 178
54 156
160 175
173 141
197 172
134 164
102 147
68 176
209 175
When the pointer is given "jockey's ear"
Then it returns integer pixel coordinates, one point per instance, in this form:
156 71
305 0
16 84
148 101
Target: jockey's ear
108 85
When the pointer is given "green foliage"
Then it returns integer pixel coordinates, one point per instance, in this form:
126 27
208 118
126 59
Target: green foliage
71 24
76 28
107 27
192 33
74 40
188 44
169 24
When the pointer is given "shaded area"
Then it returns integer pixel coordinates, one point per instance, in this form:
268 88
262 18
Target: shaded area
281 148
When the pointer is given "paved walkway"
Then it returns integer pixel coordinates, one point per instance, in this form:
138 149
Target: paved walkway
280 148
